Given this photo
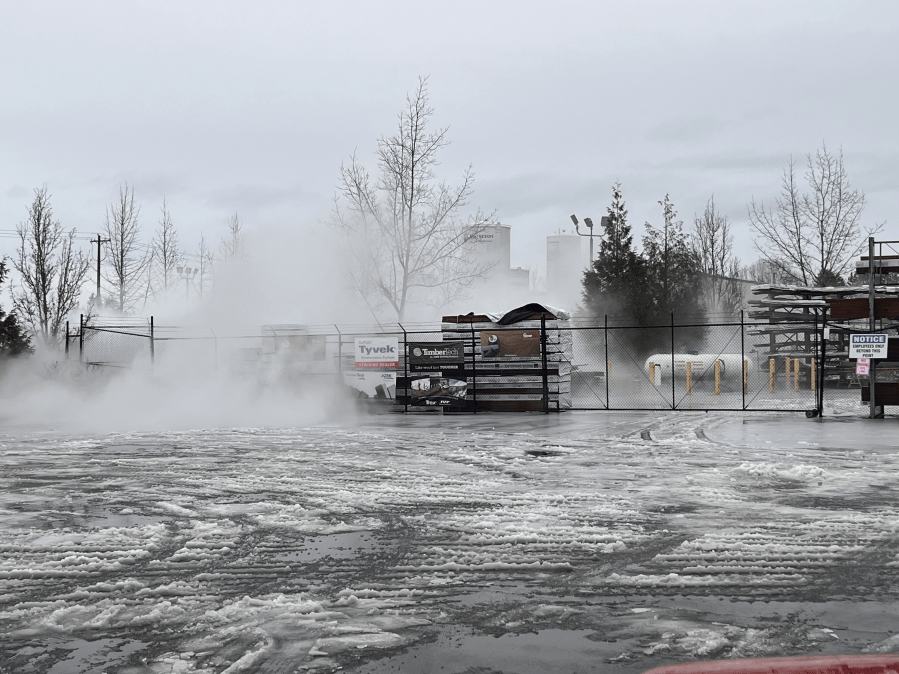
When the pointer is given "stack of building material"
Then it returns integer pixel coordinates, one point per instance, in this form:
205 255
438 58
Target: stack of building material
504 365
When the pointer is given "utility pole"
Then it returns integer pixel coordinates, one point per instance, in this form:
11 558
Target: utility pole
99 242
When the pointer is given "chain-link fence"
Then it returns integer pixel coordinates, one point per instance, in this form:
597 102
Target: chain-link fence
535 365
121 346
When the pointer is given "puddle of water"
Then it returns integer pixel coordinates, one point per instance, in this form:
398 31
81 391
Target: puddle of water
110 519
335 546
95 657
550 650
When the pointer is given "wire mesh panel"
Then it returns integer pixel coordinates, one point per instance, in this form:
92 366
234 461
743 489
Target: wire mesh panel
588 368
709 367
637 362
783 366
431 373
113 346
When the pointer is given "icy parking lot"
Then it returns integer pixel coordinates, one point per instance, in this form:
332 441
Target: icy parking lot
586 542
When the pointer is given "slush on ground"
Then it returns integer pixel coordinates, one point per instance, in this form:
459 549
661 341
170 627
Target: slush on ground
513 544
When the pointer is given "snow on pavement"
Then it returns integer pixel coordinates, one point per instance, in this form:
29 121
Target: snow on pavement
652 540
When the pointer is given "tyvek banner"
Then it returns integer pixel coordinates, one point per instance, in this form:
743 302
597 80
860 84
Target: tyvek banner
377 352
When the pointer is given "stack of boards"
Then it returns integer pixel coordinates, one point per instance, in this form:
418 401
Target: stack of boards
510 383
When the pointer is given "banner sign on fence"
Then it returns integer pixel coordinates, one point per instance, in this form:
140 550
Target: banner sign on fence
377 352
428 356
524 343
867 346
438 391
862 366
372 384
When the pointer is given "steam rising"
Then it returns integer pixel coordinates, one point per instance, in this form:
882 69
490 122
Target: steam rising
286 276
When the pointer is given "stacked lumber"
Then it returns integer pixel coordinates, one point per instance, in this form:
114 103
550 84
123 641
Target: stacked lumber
514 383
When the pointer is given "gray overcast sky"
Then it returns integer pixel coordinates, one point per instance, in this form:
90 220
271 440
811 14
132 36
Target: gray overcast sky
252 106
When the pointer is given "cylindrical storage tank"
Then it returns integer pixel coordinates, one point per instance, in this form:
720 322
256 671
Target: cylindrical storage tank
701 365
493 244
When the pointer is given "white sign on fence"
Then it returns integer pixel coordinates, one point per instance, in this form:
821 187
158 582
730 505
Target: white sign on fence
377 352
867 346
372 384
862 365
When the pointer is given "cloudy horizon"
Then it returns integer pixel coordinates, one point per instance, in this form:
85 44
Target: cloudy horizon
224 107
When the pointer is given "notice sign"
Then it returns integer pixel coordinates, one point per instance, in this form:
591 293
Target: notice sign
862 366
428 356
867 346
377 352
524 343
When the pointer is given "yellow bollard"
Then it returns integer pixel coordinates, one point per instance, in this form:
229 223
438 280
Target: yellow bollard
745 377
689 378
771 374
787 366
814 374
796 374
652 373
717 377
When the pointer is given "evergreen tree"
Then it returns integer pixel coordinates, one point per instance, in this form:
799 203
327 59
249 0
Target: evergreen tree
673 279
613 285
13 340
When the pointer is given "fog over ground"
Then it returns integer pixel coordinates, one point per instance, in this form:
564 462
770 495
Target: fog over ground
226 106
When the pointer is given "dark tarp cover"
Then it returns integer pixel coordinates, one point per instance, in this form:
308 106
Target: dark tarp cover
527 312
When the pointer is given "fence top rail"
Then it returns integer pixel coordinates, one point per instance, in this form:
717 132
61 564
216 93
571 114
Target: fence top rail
118 331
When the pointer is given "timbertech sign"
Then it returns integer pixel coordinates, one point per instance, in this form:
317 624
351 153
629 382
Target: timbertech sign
867 346
374 352
435 355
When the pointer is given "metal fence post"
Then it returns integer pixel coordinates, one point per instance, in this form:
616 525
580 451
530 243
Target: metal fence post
67 340
545 368
339 355
821 360
743 357
152 343
672 361
474 374
608 364
872 326
407 385
81 339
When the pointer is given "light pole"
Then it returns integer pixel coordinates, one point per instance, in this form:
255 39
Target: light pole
188 275
589 222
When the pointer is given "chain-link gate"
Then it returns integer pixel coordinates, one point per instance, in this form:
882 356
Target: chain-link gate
531 365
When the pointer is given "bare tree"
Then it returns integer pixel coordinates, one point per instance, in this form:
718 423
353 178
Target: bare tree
166 257
403 231
812 237
129 263
763 271
205 257
52 271
231 246
713 244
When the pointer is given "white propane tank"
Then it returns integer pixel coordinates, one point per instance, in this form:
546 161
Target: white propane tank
702 365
